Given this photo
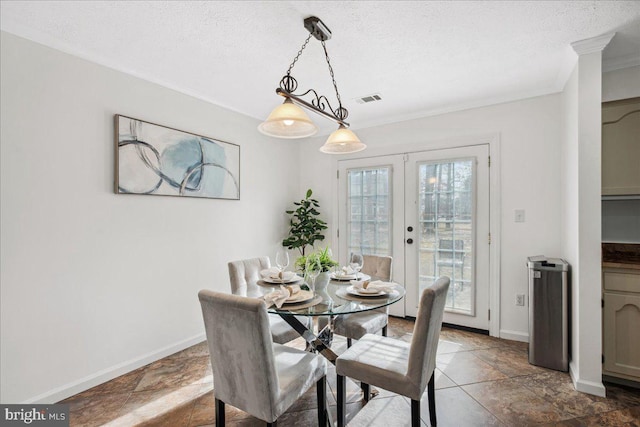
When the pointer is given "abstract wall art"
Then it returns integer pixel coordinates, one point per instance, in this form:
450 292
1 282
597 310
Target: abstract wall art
157 160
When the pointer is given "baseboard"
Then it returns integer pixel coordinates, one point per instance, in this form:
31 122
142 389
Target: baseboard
583 386
70 389
514 335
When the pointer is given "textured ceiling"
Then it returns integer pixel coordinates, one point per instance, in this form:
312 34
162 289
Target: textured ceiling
422 57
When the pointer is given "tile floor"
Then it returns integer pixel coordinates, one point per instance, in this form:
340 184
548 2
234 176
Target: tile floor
480 381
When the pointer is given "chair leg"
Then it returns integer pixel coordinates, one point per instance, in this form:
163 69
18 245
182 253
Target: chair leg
384 331
321 390
342 404
366 390
432 400
415 413
219 413
348 342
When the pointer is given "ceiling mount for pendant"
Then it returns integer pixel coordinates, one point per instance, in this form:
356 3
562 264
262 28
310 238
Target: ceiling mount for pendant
290 121
317 28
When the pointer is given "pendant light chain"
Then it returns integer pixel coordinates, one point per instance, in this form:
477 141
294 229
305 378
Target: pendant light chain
341 112
299 53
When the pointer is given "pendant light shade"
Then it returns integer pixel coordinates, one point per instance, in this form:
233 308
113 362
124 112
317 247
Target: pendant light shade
288 121
342 141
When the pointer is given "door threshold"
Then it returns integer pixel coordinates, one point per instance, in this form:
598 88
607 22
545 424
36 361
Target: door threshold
465 328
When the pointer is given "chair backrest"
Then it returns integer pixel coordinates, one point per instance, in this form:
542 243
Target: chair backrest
246 272
426 332
377 266
241 350
448 247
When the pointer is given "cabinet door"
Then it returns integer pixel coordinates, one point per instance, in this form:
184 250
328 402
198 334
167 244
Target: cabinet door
622 333
621 147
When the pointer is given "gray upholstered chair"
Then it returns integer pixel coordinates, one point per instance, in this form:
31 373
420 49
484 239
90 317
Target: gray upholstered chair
243 275
394 365
250 372
355 326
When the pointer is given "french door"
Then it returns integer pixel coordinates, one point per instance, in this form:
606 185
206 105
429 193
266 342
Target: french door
429 210
371 210
447 230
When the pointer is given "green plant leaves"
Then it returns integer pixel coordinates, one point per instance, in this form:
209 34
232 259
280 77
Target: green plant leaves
305 227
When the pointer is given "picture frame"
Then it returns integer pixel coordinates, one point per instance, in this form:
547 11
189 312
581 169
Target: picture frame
152 159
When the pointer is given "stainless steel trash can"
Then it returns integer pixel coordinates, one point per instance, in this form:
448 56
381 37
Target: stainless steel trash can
549 299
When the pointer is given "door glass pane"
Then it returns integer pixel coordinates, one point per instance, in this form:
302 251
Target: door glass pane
445 212
369 211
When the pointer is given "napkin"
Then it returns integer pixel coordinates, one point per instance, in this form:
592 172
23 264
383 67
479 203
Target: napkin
279 296
346 271
274 273
378 285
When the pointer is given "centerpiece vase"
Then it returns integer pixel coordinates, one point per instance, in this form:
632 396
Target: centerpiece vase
322 281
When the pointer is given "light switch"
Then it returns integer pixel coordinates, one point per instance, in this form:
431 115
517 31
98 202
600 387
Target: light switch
519 215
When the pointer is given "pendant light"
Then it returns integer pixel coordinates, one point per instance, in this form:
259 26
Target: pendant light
289 120
342 141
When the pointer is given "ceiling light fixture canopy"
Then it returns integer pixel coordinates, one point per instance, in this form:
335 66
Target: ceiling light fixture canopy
290 121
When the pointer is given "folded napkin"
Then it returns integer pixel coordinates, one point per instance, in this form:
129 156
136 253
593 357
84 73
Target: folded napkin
274 274
279 296
377 285
346 271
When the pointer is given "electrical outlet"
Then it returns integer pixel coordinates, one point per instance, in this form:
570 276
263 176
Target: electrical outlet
519 217
520 299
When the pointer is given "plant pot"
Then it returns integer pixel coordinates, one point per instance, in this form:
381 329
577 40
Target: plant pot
322 281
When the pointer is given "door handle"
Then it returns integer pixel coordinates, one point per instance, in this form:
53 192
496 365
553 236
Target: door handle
409 241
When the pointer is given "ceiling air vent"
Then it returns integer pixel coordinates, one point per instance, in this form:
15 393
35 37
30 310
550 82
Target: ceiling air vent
369 98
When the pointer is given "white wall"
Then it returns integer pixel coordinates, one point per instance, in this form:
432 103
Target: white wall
570 210
621 84
529 131
92 283
582 140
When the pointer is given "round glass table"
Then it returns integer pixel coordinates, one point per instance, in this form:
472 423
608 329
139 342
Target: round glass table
337 299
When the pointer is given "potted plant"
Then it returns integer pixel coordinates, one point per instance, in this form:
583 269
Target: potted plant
321 262
305 226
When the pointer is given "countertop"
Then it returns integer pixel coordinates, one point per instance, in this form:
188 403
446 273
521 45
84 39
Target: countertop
621 265
621 255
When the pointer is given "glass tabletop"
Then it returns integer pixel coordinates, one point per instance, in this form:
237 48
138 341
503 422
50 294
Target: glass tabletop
338 298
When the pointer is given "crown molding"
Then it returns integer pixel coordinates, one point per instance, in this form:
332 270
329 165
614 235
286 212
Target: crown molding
620 62
594 44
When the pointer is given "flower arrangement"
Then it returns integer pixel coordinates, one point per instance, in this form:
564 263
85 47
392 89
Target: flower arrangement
319 257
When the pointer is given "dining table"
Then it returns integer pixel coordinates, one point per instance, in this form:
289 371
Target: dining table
323 306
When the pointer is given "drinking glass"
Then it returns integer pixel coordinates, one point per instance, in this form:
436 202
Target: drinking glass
312 269
282 262
335 267
357 266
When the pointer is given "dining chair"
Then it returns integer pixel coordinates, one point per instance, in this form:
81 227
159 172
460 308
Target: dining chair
250 371
355 326
243 275
397 366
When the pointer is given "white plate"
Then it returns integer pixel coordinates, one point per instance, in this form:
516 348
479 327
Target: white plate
299 297
271 280
348 277
353 291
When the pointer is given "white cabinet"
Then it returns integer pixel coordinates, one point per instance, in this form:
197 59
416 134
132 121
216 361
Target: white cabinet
621 328
621 147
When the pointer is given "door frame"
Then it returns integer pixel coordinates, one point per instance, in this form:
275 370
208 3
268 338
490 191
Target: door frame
495 200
